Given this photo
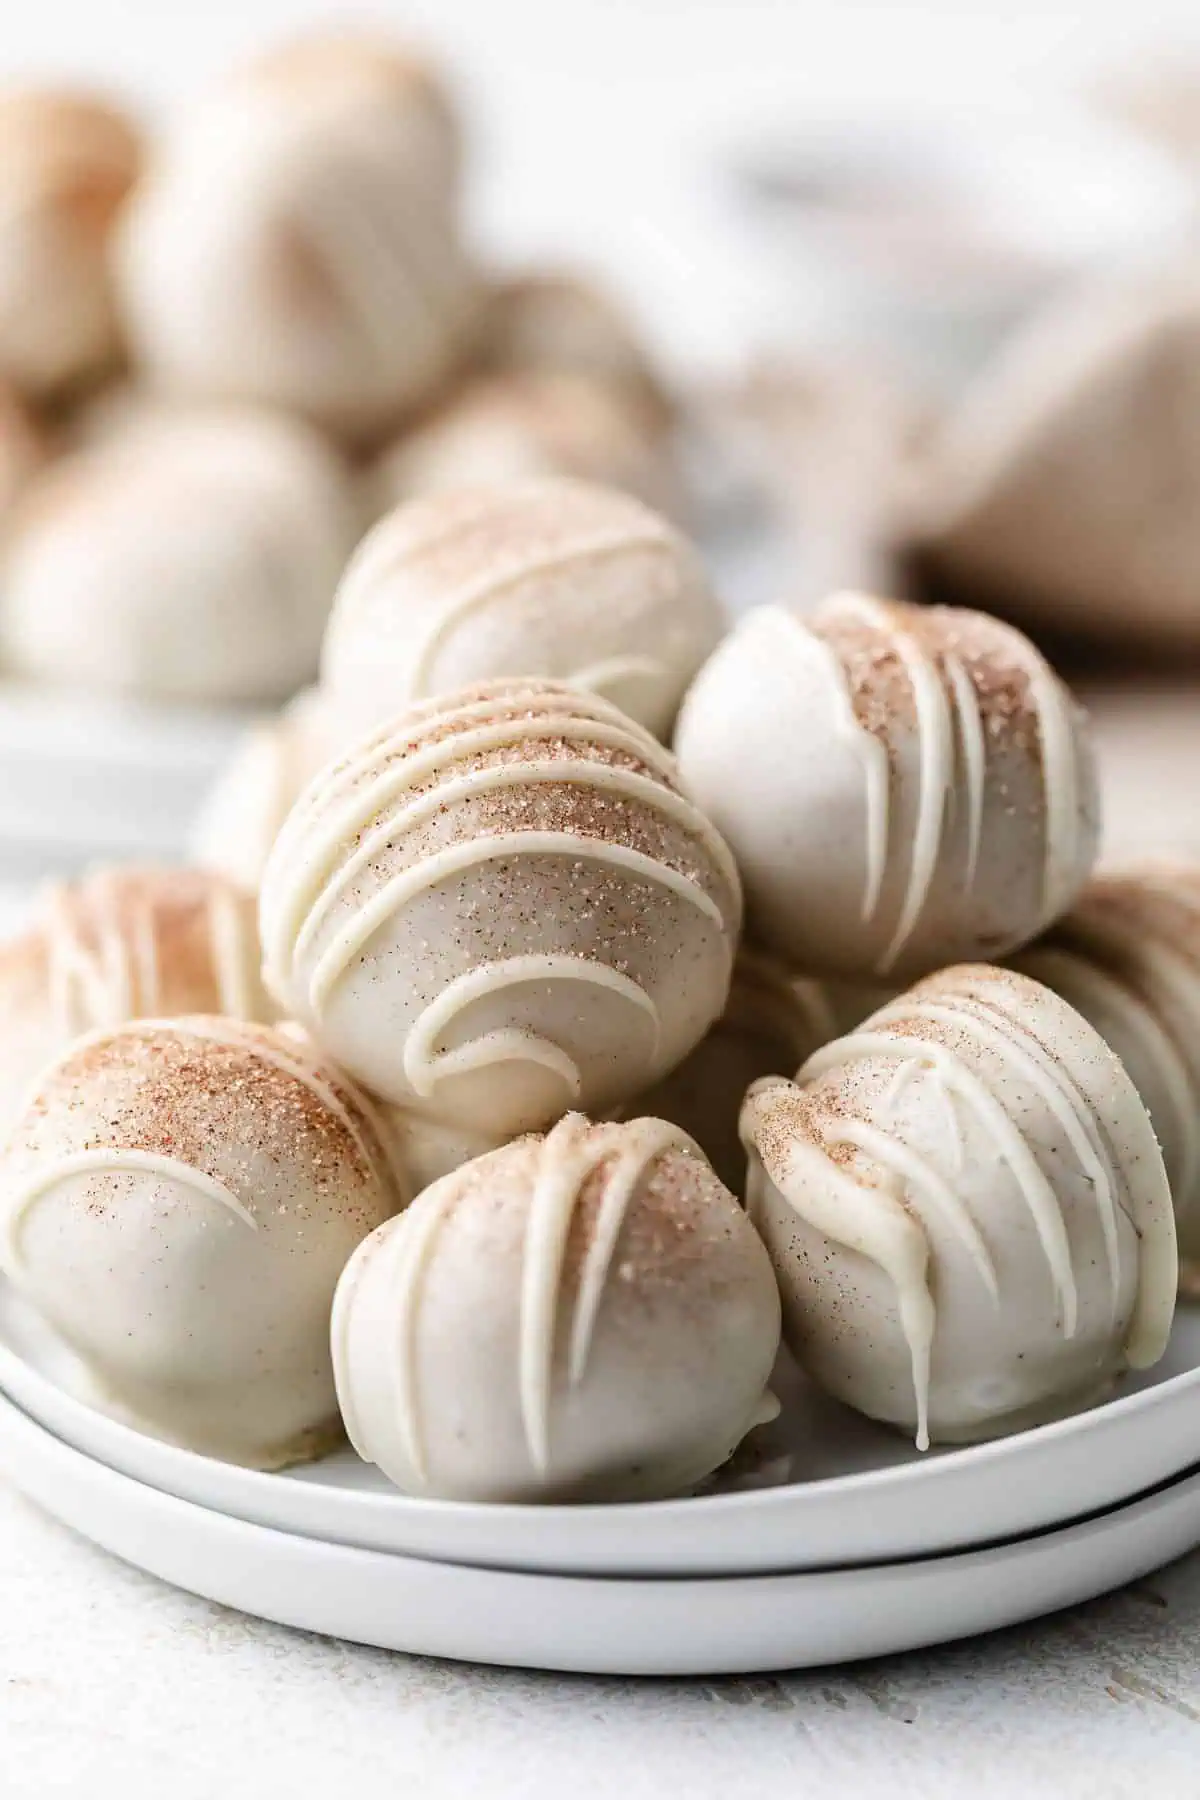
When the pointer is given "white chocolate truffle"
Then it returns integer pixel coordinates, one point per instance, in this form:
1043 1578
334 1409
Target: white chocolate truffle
967 1210
549 578
193 559
67 162
520 427
297 241
773 1021
136 942
556 322
252 796
903 786
501 906
178 1201
1127 956
585 1316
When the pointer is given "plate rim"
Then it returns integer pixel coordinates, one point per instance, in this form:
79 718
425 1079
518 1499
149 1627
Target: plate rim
600 1625
710 1533
754 1500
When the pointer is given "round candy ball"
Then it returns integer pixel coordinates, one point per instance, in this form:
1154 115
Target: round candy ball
524 426
500 906
67 163
123 943
554 321
584 1316
967 1210
904 787
296 241
1127 956
178 1200
549 577
193 558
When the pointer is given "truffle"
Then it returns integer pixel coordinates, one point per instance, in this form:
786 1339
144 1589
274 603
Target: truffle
967 1210
548 577
123 943
296 241
584 1316
178 1200
192 558
519 427
903 786
1127 956
557 322
500 906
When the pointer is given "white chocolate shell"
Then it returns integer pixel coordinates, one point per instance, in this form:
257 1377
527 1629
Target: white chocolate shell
967 1210
178 1201
297 243
500 906
193 558
523 427
585 1316
903 786
1127 956
773 1021
67 163
252 796
557 322
553 578
123 943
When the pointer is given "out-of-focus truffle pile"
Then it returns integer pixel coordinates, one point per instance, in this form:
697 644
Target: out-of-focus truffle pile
227 346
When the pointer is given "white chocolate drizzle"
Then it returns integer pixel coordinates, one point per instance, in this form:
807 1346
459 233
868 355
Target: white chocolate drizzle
871 754
1088 984
20 1200
376 797
935 743
494 582
874 1222
425 1066
568 1156
103 963
952 760
1007 1141
1057 1092
974 754
1061 787
408 1249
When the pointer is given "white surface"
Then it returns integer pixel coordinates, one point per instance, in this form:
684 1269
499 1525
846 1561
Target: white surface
112 1683
595 1625
860 1493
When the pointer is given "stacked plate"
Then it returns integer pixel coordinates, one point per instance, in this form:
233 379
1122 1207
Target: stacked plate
836 1541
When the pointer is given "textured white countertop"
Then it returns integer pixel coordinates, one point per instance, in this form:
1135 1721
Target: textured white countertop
111 1683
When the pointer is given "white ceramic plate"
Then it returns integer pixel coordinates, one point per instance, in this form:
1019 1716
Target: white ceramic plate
599 1625
866 1496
